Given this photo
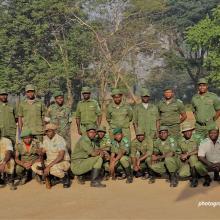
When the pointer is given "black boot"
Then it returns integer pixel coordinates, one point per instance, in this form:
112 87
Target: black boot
2 180
129 175
66 181
106 176
11 182
216 176
207 181
151 177
95 180
24 178
81 179
54 180
173 180
138 174
194 180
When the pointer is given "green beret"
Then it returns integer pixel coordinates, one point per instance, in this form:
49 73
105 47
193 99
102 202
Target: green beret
86 89
91 127
213 127
139 132
202 81
26 133
117 131
187 126
29 87
163 128
58 93
101 128
3 92
116 92
145 92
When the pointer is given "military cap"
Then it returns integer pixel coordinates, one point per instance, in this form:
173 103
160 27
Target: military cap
168 88
117 131
139 132
3 92
163 128
91 127
50 126
116 92
187 126
86 89
202 81
26 133
29 87
145 92
101 128
58 93
213 127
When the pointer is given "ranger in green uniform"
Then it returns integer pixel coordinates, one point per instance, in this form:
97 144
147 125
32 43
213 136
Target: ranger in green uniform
8 117
188 145
120 150
141 152
87 111
31 113
146 115
86 158
165 157
206 108
119 114
172 112
60 114
103 142
27 153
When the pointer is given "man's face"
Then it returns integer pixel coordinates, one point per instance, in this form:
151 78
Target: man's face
118 137
59 100
140 137
117 99
27 140
91 134
168 94
4 98
213 135
50 133
203 88
101 134
145 99
30 94
86 96
163 135
187 134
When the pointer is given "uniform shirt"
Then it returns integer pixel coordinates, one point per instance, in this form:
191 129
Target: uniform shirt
170 113
7 119
54 146
83 149
88 111
190 145
5 145
119 116
104 143
33 114
140 148
205 106
61 116
210 150
146 118
123 145
30 155
169 145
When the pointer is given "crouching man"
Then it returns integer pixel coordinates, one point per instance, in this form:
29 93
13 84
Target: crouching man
57 161
6 162
26 154
85 157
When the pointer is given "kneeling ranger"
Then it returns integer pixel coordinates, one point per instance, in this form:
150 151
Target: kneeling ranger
86 158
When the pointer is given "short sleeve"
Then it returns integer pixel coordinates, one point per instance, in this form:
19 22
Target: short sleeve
216 103
202 150
78 111
182 108
20 110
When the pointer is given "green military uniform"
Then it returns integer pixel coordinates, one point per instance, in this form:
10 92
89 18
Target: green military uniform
81 159
170 115
173 163
7 119
204 109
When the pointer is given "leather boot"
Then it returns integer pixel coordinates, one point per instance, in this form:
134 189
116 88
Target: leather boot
95 180
194 180
207 181
129 175
11 182
173 180
66 181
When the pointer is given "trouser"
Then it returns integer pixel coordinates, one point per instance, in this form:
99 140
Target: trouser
121 164
202 130
82 166
174 130
57 170
9 168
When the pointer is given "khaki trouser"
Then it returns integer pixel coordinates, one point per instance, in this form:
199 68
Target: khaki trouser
57 170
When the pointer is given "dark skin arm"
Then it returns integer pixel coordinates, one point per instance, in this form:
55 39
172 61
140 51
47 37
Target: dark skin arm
78 125
8 155
184 156
217 115
183 117
205 161
20 123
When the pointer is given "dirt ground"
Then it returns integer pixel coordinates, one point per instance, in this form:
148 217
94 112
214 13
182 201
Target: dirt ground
117 201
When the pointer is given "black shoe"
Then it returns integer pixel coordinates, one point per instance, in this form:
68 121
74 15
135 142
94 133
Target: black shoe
216 176
66 181
138 174
81 180
106 176
145 176
11 182
173 180
129 175
194 180
207 181
95 180
54 180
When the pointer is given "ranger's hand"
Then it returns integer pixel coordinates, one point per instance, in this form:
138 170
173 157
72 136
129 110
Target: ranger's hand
47 171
